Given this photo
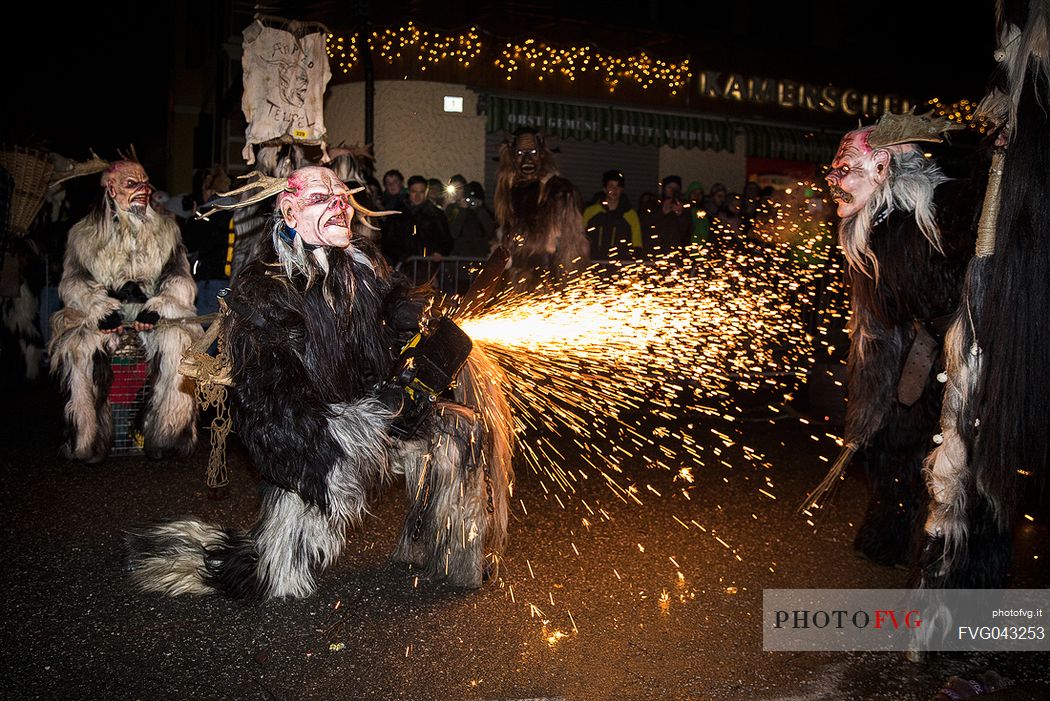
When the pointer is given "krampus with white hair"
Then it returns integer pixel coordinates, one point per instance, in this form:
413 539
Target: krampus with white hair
125 266
907 240
317 324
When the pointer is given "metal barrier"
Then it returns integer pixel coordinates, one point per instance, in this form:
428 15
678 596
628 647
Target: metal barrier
450 274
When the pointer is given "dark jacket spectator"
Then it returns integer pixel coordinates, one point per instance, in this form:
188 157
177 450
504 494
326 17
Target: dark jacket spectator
473 226
669 224
421 229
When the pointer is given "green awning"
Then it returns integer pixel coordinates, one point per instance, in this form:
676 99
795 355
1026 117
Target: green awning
613 124
606 123
767 141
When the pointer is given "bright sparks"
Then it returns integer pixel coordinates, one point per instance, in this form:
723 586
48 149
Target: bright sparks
608 369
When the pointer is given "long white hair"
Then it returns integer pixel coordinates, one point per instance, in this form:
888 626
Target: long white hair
909 188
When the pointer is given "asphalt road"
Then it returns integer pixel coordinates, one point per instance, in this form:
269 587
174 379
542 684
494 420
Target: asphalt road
658 601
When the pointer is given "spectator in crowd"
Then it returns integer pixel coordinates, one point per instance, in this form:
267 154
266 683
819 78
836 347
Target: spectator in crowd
455 191
393 190
612 225
729 218
671 186
671 223
701 222
474 226
209 242
716 200
751 200
421 229
159 201
375 192
436 193
648 203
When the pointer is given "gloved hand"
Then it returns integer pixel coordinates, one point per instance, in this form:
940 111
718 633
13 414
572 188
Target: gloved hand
146 320
147 317
111 322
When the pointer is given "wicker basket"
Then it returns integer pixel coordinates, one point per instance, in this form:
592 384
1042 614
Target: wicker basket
31 171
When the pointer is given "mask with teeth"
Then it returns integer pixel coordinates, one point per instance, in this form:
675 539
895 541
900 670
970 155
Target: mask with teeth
857 172
128 186
317 206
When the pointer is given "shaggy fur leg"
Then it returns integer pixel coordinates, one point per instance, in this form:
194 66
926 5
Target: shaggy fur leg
980 561
81 359
448 519
171 415
22 345
483 386
887 535
293 539
190 557
276 558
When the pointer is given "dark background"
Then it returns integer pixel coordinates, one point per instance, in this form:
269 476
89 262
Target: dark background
100 75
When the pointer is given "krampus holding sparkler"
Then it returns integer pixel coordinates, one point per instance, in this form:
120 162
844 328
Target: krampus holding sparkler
330 411
905 265
538 212
125 265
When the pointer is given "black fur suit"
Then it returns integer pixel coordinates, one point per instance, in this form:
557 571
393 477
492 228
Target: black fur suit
915 285
307 351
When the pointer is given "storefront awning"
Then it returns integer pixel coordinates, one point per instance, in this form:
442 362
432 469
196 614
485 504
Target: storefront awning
607 123
786 143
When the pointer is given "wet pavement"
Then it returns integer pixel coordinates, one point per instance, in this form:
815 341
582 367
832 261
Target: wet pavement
598 598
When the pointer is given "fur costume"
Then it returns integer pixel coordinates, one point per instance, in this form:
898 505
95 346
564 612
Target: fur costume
539 212
21 345
905 266
316 325
995 420
124 262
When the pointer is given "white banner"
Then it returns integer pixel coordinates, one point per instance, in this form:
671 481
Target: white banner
285 77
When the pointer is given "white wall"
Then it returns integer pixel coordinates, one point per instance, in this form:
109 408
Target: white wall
709 167
413 133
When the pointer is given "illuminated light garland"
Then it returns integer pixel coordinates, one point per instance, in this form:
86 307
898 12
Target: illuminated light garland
429 48
962 112
570 63
342 51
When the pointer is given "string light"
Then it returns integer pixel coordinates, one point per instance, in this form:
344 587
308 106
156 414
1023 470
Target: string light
962 112
429 48
570 63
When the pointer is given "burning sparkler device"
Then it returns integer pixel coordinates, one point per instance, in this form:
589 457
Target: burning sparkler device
429 363
427 366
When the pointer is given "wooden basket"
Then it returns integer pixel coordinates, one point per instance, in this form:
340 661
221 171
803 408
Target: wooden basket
31 171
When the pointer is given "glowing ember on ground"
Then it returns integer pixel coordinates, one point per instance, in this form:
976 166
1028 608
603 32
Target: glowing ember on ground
631 376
